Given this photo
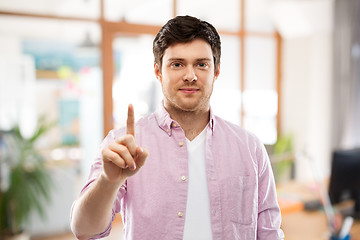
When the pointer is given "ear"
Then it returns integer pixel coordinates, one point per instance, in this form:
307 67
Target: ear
157 72
217 72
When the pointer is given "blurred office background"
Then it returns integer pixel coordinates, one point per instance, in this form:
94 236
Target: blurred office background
289 73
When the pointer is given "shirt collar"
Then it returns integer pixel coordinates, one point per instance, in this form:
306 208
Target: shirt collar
167 124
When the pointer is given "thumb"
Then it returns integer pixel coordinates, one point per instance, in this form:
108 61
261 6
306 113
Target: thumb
141 155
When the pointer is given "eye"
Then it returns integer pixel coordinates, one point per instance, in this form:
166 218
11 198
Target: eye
175 65
203 65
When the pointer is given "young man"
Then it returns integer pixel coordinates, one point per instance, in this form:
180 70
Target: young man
204 178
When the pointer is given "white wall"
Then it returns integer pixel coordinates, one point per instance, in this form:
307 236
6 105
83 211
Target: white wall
306 90
306 102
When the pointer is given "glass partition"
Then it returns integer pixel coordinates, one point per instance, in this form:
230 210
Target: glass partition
211 11
134 78
74 8
156 12
260 94
51 69
226 99
258 16
62 60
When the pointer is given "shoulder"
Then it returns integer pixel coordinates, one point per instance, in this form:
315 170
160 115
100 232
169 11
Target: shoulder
234 130
145 122
236 135
240 142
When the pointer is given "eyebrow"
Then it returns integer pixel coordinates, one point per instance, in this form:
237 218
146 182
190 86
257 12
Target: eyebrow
183 59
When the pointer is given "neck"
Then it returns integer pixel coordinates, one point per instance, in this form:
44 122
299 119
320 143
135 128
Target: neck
192 122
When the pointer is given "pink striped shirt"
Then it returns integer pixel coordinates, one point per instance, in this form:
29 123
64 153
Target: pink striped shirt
152 203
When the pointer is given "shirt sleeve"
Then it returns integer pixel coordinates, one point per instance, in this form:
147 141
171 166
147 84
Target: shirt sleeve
95 171
269 215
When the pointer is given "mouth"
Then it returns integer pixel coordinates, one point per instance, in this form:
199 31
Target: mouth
189 90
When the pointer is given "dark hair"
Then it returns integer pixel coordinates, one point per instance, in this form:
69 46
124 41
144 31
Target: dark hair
184 29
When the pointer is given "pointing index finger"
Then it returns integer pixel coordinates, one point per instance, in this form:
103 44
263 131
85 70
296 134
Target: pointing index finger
130 124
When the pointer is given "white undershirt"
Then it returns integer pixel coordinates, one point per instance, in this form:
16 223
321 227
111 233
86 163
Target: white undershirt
197 217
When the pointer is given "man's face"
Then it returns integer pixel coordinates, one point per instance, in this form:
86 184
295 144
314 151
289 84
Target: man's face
187 76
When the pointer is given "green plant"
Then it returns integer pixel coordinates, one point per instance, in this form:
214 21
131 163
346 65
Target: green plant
29 181
282 156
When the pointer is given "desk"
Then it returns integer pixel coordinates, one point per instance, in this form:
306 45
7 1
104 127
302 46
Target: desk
303 225
299 224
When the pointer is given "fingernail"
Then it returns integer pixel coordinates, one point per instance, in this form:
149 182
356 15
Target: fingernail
141 150
134 167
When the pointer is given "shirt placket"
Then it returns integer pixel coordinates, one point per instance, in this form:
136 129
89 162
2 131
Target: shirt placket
181 161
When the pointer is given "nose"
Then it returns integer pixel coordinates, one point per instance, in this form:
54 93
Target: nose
190 74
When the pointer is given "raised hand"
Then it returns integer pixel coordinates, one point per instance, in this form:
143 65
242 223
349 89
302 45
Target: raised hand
123 157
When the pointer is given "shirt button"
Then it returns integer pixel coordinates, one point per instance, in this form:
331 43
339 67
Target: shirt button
183 178
181 143
174 125
168 130
180 214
